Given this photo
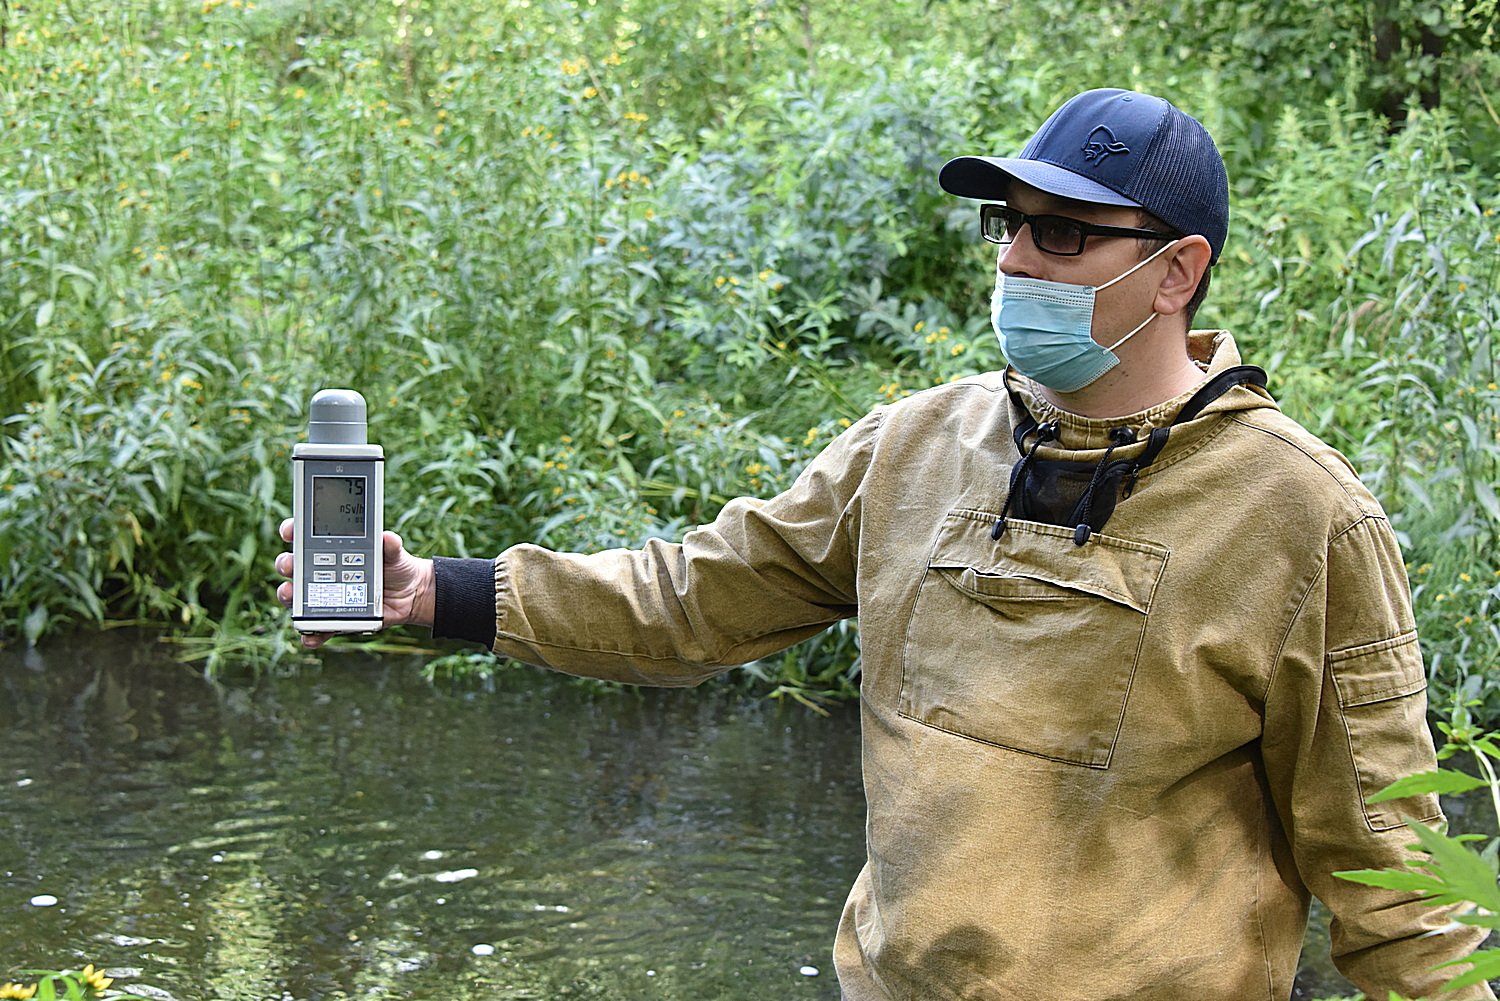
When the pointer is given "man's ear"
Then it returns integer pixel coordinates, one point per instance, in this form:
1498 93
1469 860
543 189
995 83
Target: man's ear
1185 266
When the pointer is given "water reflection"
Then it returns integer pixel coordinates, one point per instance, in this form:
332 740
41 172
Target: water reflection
356 832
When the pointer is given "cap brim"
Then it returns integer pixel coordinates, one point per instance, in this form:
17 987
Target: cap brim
989 176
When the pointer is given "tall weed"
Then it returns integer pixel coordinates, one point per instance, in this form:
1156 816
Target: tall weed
598 268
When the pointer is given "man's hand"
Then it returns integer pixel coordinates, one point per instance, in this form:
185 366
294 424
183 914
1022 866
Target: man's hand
407 596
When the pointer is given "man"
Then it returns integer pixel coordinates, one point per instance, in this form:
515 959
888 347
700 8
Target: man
1136 647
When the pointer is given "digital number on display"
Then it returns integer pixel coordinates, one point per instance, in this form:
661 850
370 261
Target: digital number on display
338 506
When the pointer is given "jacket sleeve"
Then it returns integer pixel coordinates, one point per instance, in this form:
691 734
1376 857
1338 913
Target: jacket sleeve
1346 715
764 575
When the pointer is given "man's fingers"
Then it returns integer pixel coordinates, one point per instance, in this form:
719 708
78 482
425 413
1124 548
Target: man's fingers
310 641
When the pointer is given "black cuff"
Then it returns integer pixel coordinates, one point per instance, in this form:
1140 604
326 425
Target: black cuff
464 600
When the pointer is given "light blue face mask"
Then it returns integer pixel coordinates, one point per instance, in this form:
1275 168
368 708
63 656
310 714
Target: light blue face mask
1046 329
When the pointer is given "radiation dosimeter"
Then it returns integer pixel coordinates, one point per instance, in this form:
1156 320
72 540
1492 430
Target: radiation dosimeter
338 491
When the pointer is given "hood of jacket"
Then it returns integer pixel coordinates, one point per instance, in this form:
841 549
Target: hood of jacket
1085 438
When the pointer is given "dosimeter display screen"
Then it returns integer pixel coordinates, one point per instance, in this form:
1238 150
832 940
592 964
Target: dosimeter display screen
338 506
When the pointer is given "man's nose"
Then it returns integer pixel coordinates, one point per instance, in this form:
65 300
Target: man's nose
1020 257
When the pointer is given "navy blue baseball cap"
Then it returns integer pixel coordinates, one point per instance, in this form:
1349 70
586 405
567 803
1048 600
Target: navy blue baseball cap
1114 147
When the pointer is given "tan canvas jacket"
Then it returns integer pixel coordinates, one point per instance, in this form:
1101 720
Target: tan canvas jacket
1114 770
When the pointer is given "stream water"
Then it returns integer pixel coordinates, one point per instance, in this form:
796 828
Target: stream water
354 832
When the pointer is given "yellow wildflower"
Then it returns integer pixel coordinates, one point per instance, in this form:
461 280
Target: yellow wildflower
590 92
95 978
12 990
299 93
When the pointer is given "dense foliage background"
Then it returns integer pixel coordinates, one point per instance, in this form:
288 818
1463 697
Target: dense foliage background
600 266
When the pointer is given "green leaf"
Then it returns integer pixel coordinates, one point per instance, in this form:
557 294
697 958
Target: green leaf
1486 966
35 623
1443 781
1393 879
1466 876
1485 494
44 314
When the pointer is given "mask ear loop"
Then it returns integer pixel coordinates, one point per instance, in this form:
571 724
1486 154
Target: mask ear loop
1141 264
1133 332
1162 250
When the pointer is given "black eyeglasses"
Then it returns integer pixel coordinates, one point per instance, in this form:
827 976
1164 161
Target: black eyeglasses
1052 234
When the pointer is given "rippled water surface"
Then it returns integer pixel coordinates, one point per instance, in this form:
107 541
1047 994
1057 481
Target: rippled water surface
357 833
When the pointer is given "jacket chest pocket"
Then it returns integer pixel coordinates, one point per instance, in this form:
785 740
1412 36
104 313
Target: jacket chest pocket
1029 642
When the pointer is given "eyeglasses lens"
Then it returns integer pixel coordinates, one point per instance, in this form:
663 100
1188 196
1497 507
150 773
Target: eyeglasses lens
1057 235
1052 234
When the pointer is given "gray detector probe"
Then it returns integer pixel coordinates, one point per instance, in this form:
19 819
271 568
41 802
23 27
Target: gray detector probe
338 493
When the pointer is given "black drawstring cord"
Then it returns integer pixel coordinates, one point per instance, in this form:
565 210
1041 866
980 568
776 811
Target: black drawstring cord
1117 436
1044 433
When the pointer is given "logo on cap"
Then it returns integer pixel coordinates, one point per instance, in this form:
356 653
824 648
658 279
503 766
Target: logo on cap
1101 143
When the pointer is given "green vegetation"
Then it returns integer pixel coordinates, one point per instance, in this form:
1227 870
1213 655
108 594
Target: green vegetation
600 266
65 985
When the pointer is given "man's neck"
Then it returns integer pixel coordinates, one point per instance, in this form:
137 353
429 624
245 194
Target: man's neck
1129 389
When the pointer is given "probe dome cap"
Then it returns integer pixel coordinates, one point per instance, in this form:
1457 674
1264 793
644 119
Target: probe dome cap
336 417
